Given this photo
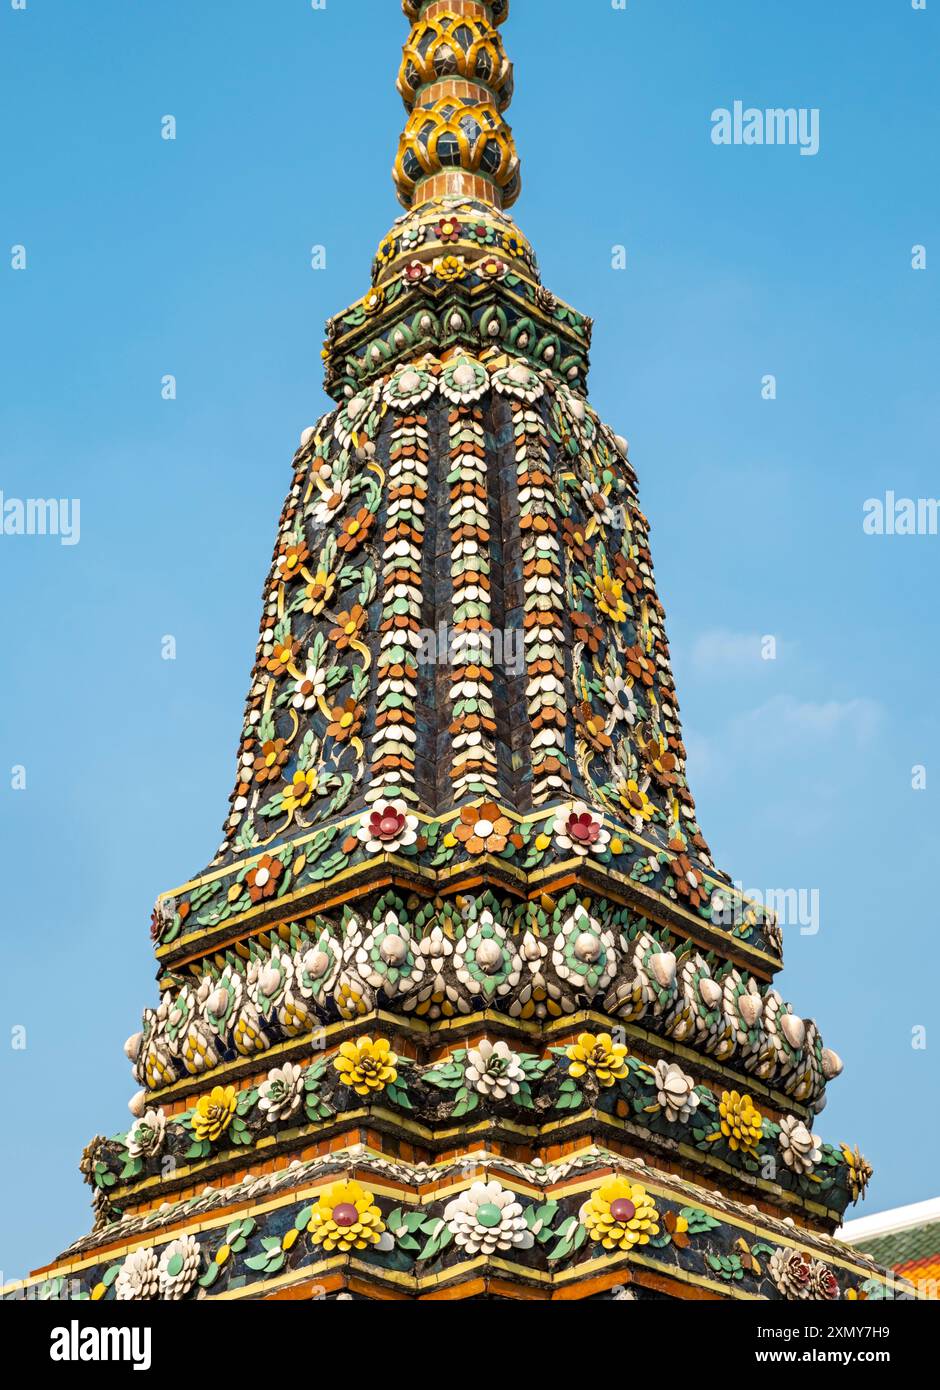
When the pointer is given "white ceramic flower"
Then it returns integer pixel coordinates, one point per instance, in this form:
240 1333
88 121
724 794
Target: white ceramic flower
800 1149
412 236
675 1092
269 981
519 380
494 1070
281 1093
146 1135
310 689
410 387
331 501
621 699
387 826
179 1267
437 949
579 830
463 380
487 1218
138 1277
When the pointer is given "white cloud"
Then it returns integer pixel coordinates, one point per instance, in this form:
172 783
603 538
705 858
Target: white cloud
786 721
804 733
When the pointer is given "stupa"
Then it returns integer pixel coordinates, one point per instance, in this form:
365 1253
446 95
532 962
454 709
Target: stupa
463 1008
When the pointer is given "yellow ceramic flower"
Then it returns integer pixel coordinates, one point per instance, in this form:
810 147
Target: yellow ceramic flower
599 1055
635 801
214 1113
621 1214
345 1217
860 1171
301 791
608 595
741 1122
352 1001
318 594
366 1066
450 268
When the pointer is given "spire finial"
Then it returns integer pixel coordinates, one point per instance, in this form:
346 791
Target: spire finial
456 81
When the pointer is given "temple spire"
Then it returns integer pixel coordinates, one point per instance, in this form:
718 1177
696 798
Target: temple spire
456 82
462 1007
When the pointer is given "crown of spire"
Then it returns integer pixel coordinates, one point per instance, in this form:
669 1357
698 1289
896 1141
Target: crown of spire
456 82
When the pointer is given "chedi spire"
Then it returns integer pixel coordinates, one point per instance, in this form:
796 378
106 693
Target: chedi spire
462 1003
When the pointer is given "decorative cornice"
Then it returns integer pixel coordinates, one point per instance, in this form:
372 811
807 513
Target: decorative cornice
324 867
442 295
537 1098
446 960
422 1232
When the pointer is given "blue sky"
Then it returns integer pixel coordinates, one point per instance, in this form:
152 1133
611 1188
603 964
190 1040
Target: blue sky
146 257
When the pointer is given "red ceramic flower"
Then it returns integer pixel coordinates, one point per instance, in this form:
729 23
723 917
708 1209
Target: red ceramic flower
825 1283
492 268
578 829
448 230
386 825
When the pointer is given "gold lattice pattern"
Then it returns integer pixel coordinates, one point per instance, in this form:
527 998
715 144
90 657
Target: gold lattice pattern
452 46
456 81
451 135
